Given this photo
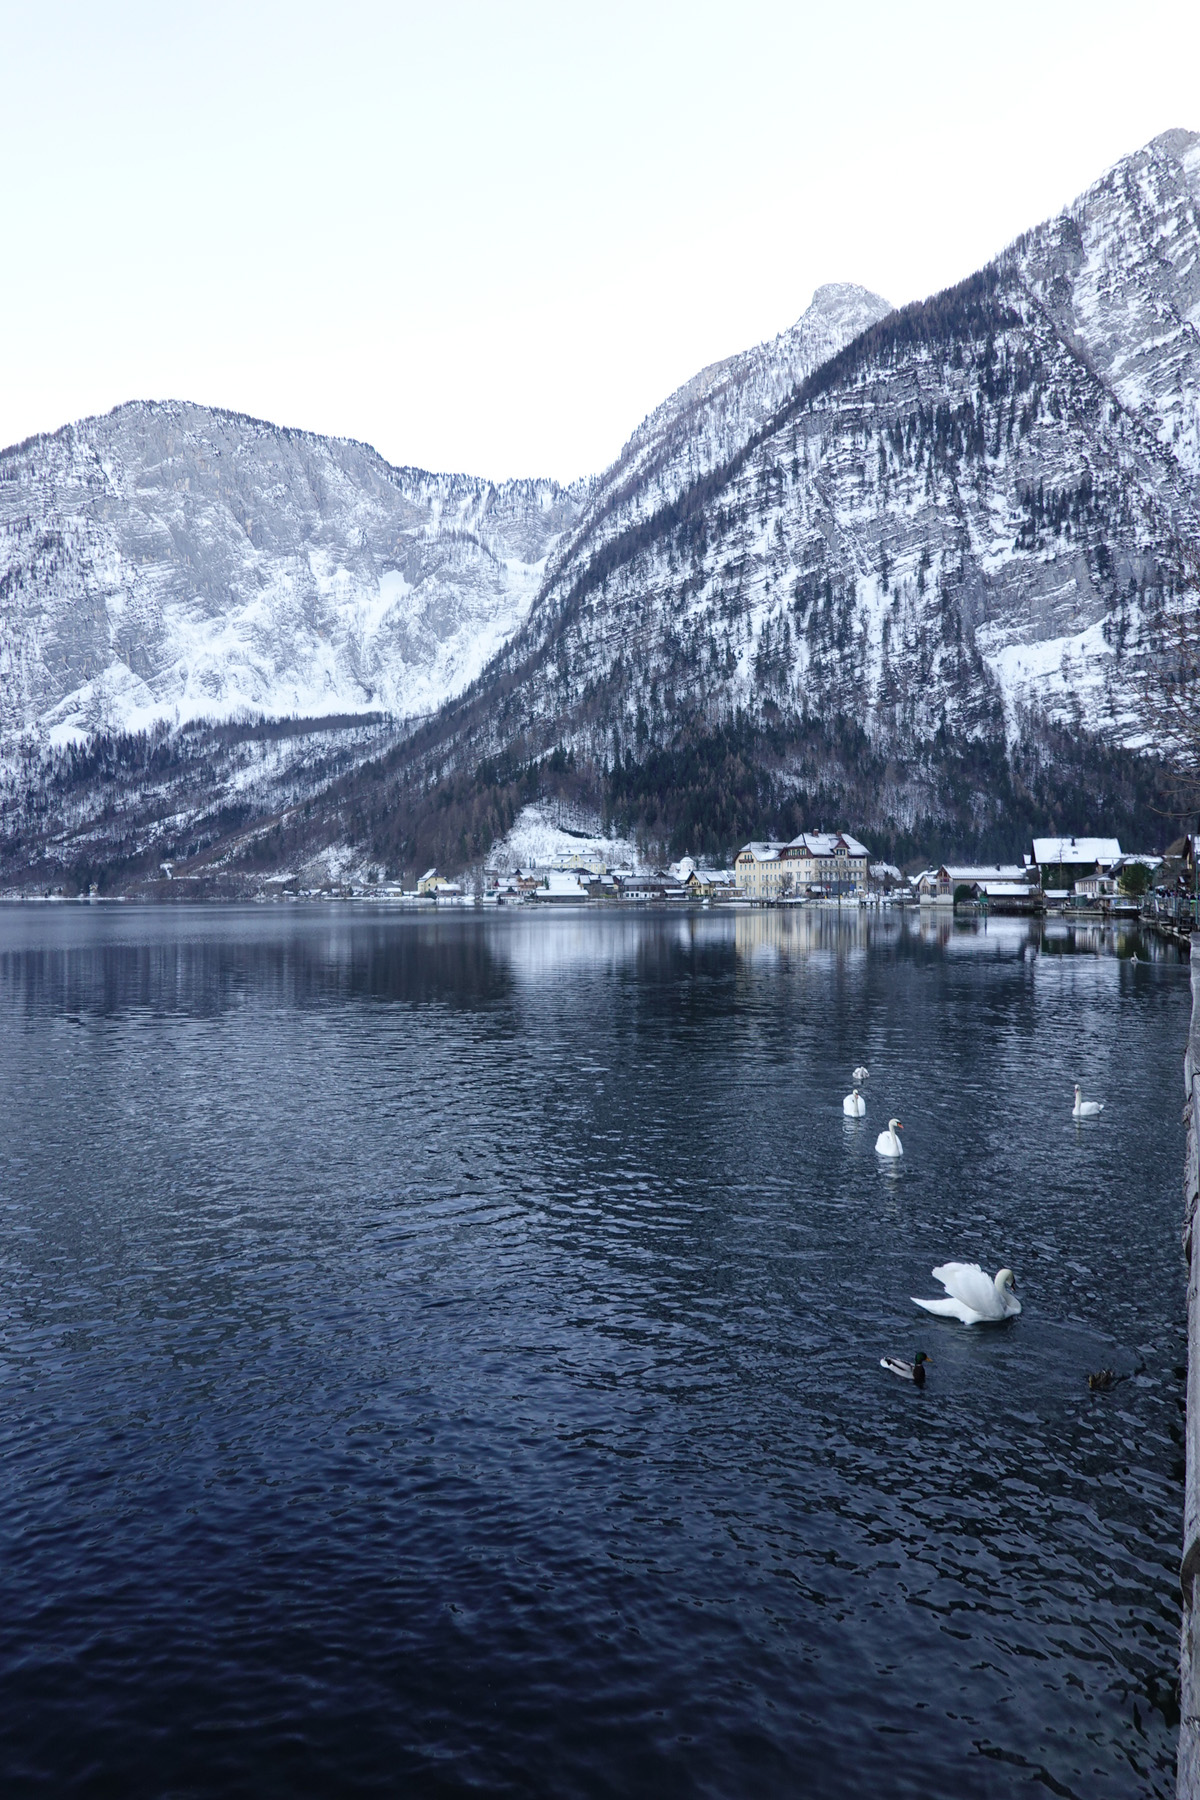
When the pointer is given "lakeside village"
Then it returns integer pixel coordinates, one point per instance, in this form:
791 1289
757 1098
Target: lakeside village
1081 875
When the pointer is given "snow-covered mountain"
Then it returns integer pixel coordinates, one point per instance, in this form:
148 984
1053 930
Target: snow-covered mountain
169 561
909 566
970 517
708 420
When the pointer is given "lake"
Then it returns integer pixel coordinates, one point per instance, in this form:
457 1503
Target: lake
440 1354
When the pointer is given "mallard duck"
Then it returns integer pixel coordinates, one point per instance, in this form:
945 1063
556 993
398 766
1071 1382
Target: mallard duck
1102 1378
913 1371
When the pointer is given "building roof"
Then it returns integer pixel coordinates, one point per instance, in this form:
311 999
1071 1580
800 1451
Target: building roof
825 843
978 873
1007 889
762 852
563 884
1075 850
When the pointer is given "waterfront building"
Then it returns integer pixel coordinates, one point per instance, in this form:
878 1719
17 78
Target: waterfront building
1062 861
816 864
561 885
1091 887
759 871
826 863
709 884
435 885
1010 882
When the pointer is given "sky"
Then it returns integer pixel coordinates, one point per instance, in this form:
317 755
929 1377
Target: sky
492 236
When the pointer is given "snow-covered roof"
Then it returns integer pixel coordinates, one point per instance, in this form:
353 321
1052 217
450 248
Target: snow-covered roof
1075 850
995 872
1007 889
826 843
563 884
762 852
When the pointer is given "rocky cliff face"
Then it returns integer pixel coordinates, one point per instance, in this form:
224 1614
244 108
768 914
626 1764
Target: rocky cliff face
911 566
708 420
963 526
972 510
172 562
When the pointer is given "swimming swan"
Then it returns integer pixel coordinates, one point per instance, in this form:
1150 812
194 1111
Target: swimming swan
854 1106
887 1143
1086 1109
858 1075
973 1296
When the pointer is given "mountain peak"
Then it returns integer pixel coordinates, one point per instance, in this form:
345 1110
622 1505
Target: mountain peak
1177 142
836 296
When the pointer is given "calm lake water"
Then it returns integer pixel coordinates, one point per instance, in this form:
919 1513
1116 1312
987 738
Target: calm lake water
441 1354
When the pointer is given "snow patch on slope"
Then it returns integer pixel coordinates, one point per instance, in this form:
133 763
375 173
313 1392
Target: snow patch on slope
539 839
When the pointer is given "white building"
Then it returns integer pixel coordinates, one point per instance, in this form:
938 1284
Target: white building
827 862
1062 861
939 886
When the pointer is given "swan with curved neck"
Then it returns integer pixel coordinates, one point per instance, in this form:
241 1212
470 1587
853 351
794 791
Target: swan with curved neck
1086 1109
888 1142
972 1296
854 1106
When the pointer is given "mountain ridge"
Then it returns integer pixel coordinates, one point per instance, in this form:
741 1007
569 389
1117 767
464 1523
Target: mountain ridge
926 580
245 565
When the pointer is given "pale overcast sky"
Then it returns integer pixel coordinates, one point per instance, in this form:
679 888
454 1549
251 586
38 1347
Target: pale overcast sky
492 236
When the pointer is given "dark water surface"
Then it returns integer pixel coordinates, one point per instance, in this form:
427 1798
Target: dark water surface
442 1354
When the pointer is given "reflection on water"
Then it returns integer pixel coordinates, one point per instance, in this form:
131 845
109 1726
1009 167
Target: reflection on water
442 1353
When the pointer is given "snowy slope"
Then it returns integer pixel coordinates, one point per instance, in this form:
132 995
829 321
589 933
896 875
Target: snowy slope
168 562
940 532
708 420
541 836
1119 277
977 508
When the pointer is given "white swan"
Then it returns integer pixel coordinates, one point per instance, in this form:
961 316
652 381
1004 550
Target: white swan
858 1075
1086 1109
887 1143
973 1296
854 1106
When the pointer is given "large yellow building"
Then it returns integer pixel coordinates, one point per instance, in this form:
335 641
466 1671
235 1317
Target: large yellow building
814 865
759 871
